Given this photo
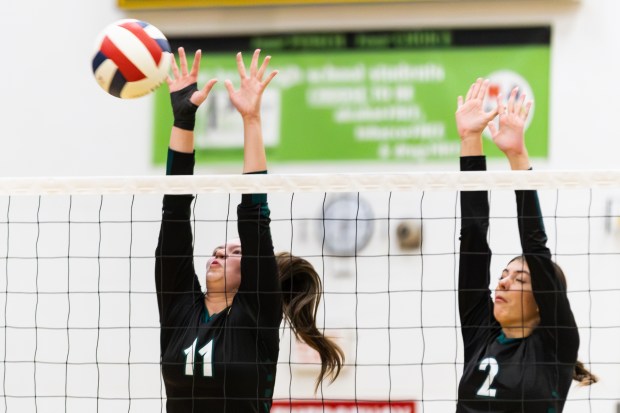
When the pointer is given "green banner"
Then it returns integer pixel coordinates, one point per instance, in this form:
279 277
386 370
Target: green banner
382 97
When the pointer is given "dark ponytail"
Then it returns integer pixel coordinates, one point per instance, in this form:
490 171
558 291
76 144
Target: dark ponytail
583 376
580 374
301 295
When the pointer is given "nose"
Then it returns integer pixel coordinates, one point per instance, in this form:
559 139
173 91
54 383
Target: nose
219 253
504 283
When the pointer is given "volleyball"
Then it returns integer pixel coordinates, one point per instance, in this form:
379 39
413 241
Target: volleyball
131 58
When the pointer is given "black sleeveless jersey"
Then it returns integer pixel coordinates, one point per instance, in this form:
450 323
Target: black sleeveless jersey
224 362
531 374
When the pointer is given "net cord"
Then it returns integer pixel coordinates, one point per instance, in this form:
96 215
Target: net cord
337 182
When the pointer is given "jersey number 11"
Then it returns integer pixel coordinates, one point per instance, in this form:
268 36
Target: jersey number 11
206 352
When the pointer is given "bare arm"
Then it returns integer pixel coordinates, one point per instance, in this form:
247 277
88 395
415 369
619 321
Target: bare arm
247 100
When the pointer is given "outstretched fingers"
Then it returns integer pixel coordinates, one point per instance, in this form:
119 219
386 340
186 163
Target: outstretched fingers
484 86
178 74
259 72
469 92
518 106
256 72
241 66
254 63
512 99
183 61
271 76
476 88
263 68
526 110
477 91
196 63
175 69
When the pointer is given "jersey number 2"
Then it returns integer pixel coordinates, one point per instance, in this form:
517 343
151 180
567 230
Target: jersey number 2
206 352
485 390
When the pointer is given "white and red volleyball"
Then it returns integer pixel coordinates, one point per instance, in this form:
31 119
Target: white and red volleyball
131 58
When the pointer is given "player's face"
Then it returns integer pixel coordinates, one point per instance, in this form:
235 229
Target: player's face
515 305
224 267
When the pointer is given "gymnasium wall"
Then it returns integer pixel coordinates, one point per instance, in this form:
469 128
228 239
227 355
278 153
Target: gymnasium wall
57 122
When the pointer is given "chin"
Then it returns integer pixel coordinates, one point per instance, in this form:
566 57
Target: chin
500 317
213 276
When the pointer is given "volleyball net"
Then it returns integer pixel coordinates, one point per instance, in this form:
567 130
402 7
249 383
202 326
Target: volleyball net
79 326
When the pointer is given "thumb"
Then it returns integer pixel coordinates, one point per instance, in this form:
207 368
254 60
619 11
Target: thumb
492 114
207 88
229 87
201 95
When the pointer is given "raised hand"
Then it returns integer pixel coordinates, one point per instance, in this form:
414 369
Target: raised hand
471 118
182 79
185 99
247 99
510 137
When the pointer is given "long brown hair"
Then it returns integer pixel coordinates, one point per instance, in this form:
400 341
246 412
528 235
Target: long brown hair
580 374
301 295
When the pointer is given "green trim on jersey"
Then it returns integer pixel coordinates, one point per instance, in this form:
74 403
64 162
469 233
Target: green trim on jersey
502 339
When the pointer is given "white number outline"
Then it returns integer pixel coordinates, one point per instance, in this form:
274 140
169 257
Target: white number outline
485 390
207 355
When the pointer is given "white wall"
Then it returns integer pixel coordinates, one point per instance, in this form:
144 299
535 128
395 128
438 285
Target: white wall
56 122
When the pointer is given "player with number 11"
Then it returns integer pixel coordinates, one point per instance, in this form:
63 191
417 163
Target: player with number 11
219 349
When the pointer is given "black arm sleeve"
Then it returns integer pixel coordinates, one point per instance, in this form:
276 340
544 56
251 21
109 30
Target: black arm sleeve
175 278
260 287
556 316
475 305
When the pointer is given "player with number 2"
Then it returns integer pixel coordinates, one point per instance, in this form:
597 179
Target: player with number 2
520 348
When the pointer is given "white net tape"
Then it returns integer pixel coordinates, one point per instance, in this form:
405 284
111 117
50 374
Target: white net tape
338 182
